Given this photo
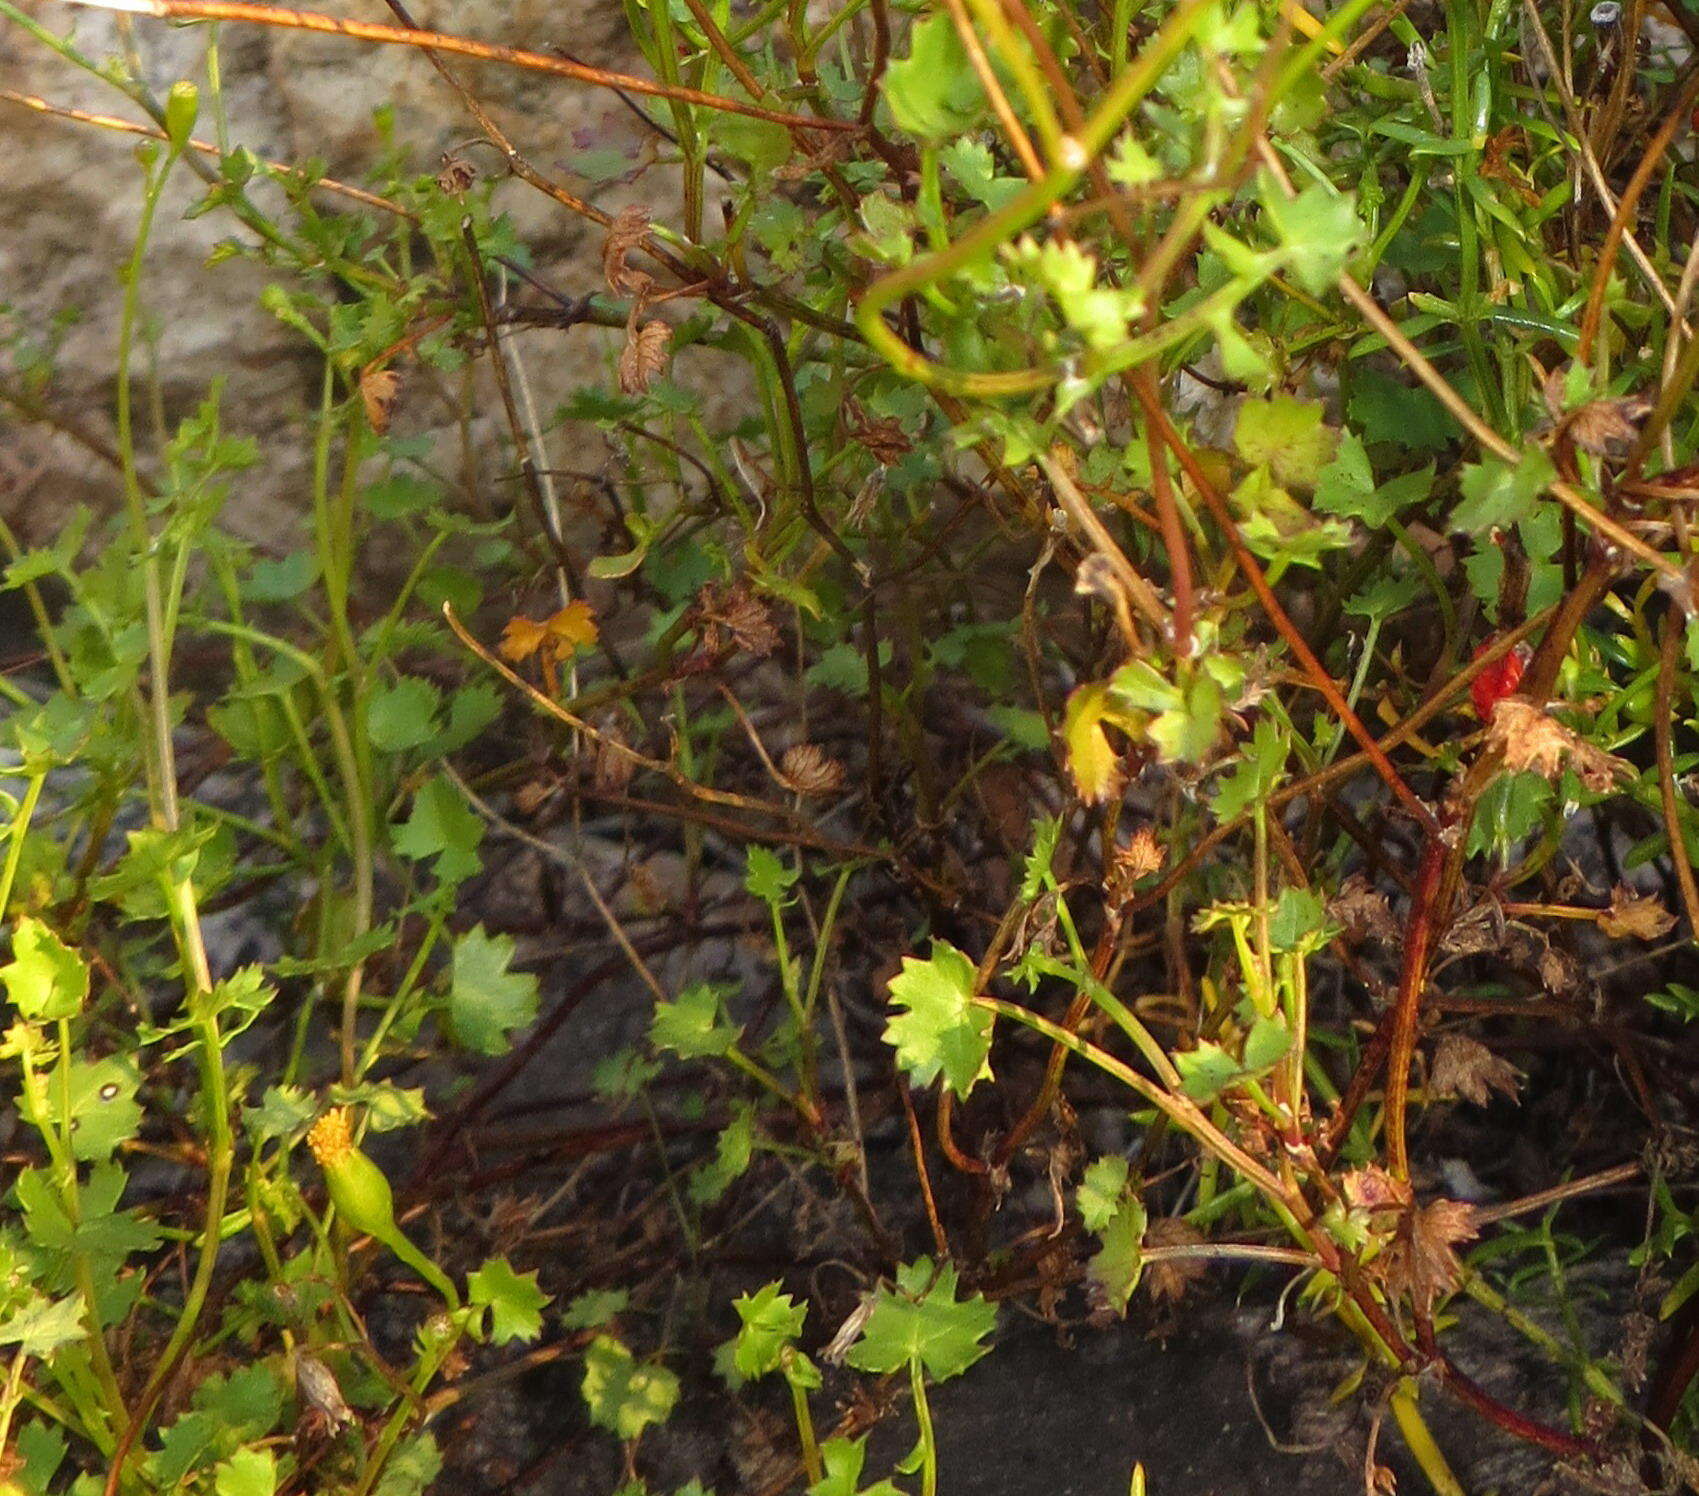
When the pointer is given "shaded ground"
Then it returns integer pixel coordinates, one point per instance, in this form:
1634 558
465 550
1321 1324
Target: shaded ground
1042 1418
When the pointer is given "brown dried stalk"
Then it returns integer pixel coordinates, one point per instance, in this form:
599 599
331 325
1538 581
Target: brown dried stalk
204 147
518 57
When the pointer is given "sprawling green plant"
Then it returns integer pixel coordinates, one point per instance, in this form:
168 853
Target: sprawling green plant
1209 511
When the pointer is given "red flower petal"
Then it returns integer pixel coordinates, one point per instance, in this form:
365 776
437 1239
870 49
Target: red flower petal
1498 680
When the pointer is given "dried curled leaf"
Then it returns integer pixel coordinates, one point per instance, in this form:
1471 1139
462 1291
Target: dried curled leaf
611 762
1531 740
1467 1068
456 175
644 356
1559 972
737 612
321 1397
1602 427
378 389
1422 1260
885 439
808 770
1606 427
1363 910
1169 1279
1477 928
627 232
1635 916
1142 856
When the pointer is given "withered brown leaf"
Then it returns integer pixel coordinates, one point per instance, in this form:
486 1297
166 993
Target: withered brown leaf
1605 427
1169 1279
1532 740
1373 1189
456 175
1422 1261
643 357
884 438
1363 910
735 610
627 231
1467 1068
378 389
1635 916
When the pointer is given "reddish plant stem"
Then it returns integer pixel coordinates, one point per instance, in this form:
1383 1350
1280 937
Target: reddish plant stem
1357 1092
1518 1425
958 1160
1071 1020
1663 716
918 1147
1653 155
1313 669
540 62
1418 941
1677 1369
1168 517
875 68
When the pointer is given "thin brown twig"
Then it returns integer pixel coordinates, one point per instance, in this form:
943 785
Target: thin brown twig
441 41
1363 41
205 147
723 48
917 1147
1313 668
1571 498
1013 130
876 67
1653 156
1486 1215
1168 517
961 1162
1418 941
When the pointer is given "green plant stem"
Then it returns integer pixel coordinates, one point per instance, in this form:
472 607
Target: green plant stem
1024 210
1419 1439
800 1014
179 891
822 940
397 1003
424 1371
771 1084
15 837
10 1397
928 1444
805 1431
1598 1383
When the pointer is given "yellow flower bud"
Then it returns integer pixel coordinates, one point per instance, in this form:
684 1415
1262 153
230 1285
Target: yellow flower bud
361 1194
358 1188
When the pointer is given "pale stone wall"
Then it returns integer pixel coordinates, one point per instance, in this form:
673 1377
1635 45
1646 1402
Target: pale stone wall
70 192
